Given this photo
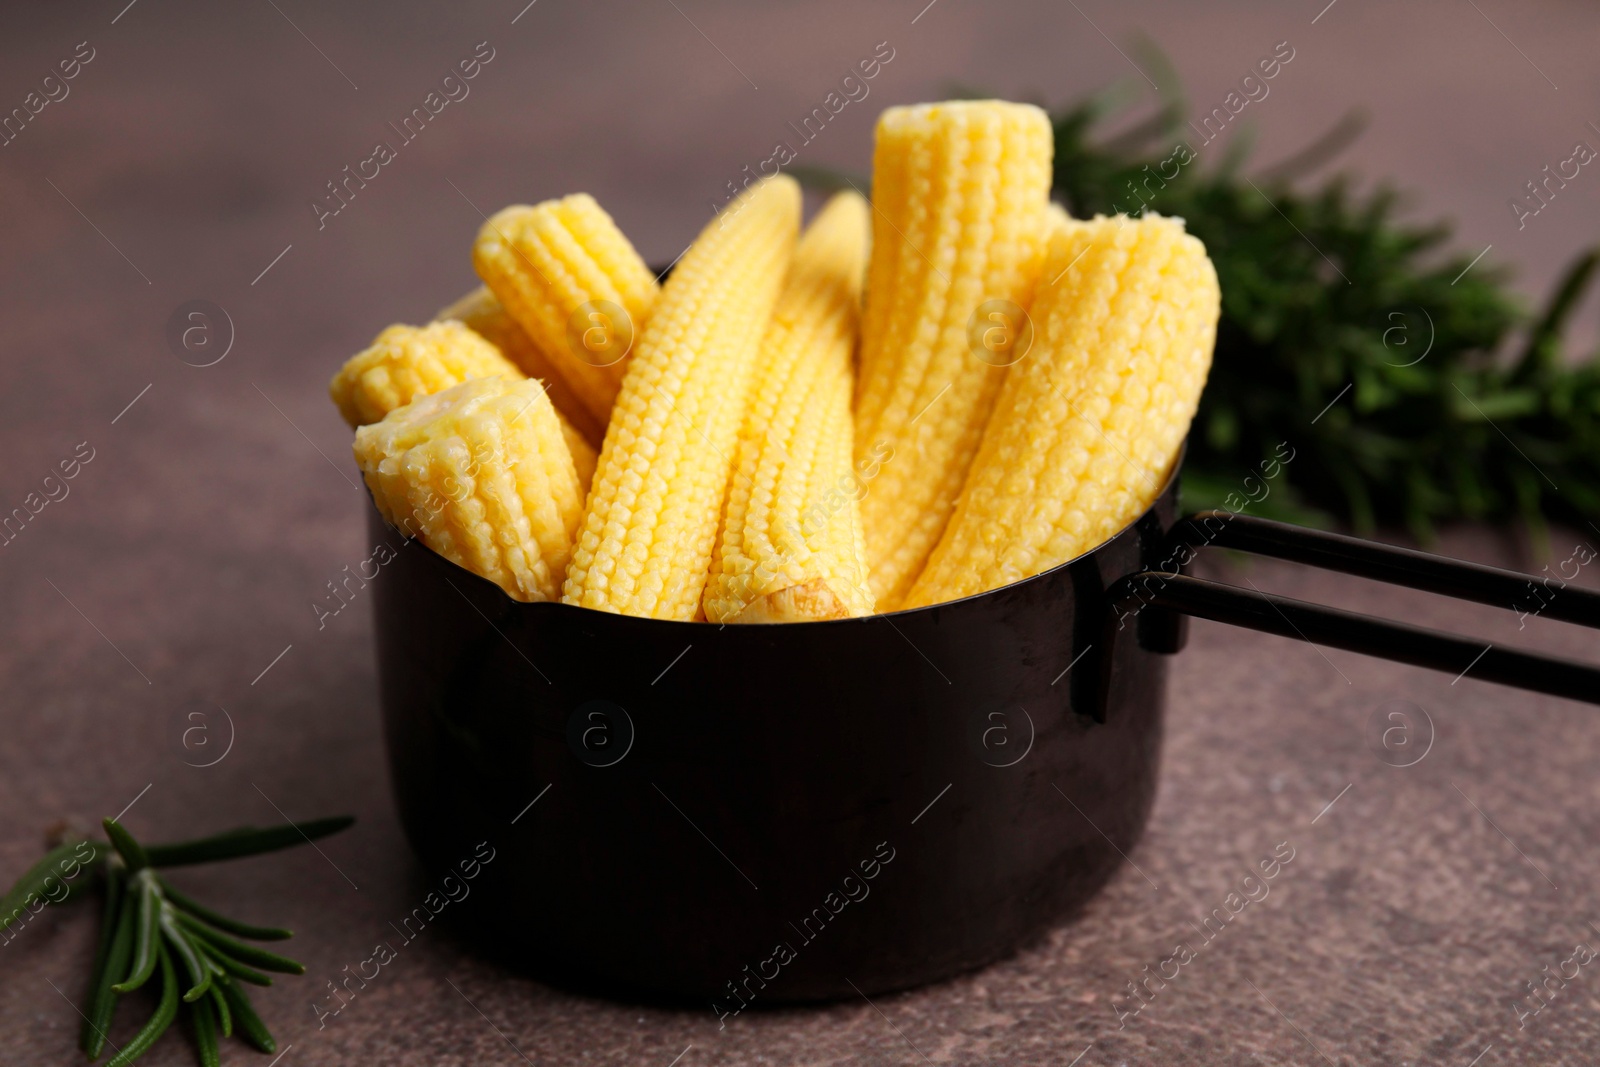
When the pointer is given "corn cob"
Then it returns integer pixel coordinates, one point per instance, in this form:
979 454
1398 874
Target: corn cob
481 473
1088 425
651 520
487 317
407 362
584 456
791 546
563 269
960 191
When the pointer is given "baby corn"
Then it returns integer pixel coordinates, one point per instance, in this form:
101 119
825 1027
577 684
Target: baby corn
651 521
960 192
481 473
791 546
569 278
407 362
488 318
1089 423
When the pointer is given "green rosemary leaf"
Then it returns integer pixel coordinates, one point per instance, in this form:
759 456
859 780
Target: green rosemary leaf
1320 152
146 940
219 1004
117 940
1543 352
246 1021
245 841
205 1033
166 1011
178 941
222 922
238 950
230 966
132 852
34 883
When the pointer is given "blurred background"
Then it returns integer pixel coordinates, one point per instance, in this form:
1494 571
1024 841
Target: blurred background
177 574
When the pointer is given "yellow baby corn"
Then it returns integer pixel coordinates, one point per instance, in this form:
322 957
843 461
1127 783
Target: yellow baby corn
481 473
960 191
791 546
584 457
569 277
651 520
1090 421
405 362
487 317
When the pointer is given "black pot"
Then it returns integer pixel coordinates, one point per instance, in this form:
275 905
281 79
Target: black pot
758 814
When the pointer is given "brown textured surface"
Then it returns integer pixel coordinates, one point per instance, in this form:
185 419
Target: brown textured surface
207 524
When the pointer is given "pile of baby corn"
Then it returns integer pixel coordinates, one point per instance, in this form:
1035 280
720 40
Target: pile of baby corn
946 391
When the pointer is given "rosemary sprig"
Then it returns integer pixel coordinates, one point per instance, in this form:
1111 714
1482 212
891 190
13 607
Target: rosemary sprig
1325 290
151 929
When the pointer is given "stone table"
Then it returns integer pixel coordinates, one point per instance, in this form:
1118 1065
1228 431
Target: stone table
172 587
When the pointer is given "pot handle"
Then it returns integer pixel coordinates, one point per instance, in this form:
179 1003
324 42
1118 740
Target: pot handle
1173 595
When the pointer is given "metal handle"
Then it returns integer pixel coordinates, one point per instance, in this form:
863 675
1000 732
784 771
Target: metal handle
1174 595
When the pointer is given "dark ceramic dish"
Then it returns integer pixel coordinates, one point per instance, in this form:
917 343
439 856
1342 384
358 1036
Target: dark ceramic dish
731 814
